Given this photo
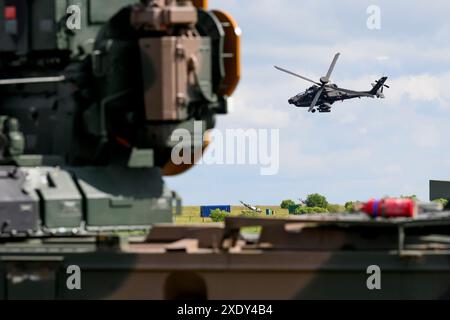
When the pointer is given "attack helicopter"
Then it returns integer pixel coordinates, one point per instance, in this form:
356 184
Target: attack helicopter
323 94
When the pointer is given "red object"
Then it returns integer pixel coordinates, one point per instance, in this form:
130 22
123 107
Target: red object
123 142
10 13
390 208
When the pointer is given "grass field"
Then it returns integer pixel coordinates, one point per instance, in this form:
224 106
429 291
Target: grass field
191 214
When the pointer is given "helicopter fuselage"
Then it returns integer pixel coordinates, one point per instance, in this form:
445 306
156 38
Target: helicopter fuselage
329 96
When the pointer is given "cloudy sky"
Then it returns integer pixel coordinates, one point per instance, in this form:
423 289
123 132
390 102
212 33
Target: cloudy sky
364 148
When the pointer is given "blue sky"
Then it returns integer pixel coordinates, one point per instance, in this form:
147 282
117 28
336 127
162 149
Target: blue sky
364 148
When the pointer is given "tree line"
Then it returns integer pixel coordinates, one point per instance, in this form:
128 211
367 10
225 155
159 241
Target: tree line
317 203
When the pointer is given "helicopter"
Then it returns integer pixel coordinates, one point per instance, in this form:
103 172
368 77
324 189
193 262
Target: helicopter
323 94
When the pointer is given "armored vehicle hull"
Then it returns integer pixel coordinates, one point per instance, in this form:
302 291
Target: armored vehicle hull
292 259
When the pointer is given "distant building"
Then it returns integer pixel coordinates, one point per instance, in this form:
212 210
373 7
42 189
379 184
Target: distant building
205 211
439 190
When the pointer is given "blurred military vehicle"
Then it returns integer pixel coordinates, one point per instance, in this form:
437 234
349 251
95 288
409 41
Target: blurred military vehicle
90 94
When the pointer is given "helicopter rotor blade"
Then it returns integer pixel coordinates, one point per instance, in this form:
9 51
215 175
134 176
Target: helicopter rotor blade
316 98
296 75
330 70
384 85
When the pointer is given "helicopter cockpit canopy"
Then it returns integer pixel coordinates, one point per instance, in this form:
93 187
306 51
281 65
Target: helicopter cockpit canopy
311 90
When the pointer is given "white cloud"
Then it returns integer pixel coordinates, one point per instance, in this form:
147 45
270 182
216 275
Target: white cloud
364 148
424 87
382 58
347 118
426 136
257 113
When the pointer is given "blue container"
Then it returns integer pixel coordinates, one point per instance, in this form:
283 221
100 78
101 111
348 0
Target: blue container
205 211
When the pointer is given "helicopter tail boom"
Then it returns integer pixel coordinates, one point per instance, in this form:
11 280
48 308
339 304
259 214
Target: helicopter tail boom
378 85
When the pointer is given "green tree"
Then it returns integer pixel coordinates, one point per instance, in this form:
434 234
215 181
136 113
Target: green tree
286 203
308 210
218 215
316 200
349 206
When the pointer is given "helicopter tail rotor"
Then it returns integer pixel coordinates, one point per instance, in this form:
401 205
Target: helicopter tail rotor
378 87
